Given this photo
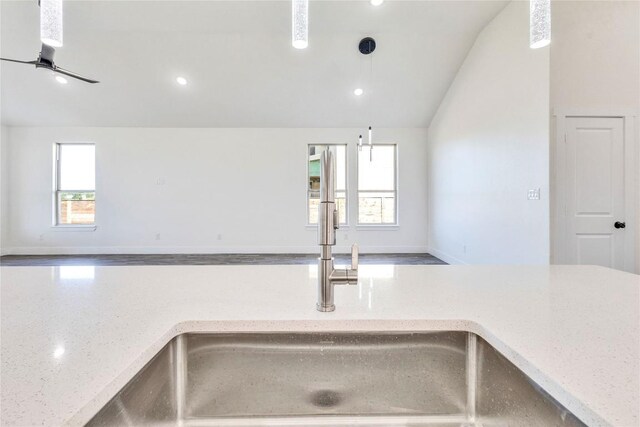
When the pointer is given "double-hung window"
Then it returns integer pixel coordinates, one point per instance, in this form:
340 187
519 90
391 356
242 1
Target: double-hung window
377 185
313 180
75 188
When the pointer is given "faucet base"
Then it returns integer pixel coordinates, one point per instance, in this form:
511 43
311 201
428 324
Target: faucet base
325 308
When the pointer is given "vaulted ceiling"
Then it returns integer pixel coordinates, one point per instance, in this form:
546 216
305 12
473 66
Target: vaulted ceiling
241 68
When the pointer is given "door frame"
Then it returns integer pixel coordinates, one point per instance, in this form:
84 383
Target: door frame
559 180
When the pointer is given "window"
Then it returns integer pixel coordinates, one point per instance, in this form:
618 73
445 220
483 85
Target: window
75 195
313 181
377 189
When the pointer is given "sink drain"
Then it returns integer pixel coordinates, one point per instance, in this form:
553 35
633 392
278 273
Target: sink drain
325 398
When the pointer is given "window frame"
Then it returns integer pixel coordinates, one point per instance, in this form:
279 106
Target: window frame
346 182
55 217
396 223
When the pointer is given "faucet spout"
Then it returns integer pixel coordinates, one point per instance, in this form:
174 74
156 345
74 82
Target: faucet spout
328 223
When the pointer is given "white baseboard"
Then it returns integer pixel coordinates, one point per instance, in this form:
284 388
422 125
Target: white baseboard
446 257
121 250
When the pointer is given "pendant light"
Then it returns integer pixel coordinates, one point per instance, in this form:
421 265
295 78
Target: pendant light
370 145
51 22
539 23
300 23
366 47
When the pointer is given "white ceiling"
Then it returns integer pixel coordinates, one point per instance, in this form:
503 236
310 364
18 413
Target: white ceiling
238 59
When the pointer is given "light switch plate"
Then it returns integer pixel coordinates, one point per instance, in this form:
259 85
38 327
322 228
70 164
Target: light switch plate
533 194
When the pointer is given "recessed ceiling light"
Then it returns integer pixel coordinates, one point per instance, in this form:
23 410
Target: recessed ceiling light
58 352
61 79
376 2
181 81
358 92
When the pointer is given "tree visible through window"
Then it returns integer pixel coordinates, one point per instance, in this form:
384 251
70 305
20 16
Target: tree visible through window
313 181
75 195
377 190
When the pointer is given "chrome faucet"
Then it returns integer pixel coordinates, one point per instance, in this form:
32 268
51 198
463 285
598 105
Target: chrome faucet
328 223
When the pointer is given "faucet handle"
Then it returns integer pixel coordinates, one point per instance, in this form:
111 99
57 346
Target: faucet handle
355 254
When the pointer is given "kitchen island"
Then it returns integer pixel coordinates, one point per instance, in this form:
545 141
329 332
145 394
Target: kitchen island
72 336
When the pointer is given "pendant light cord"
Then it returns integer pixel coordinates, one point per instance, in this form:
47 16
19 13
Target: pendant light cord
371 109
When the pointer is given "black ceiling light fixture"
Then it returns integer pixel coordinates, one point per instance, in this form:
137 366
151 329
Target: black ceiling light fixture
366 47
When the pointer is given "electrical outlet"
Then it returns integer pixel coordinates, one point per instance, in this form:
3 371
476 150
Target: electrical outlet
160 181
219 236
533 194
346 236
157 236
41 237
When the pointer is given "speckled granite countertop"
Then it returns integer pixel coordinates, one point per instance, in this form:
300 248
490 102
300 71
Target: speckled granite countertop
73 336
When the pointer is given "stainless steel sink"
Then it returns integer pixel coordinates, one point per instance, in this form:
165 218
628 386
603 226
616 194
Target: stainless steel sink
427 378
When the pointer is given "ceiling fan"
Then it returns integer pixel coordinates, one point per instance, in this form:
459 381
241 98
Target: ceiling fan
45 60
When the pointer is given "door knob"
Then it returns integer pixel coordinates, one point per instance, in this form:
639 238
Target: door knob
619 224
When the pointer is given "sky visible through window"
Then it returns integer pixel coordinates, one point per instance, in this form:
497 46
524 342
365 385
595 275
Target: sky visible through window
75 193
377 185
77 167
377 173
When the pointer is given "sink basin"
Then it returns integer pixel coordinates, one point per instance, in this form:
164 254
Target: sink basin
426 378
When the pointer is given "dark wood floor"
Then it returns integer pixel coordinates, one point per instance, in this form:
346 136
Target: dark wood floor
210 259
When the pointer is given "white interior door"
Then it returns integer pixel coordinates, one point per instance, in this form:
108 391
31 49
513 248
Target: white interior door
595 205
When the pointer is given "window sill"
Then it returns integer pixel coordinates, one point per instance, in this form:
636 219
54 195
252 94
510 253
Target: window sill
315 226
389 227
74 227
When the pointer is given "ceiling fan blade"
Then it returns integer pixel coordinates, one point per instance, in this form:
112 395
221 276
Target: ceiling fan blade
18 61
74 75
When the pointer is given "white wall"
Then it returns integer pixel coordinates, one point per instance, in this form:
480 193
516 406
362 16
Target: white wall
595 67
487 145
595 54
248 185
4 189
